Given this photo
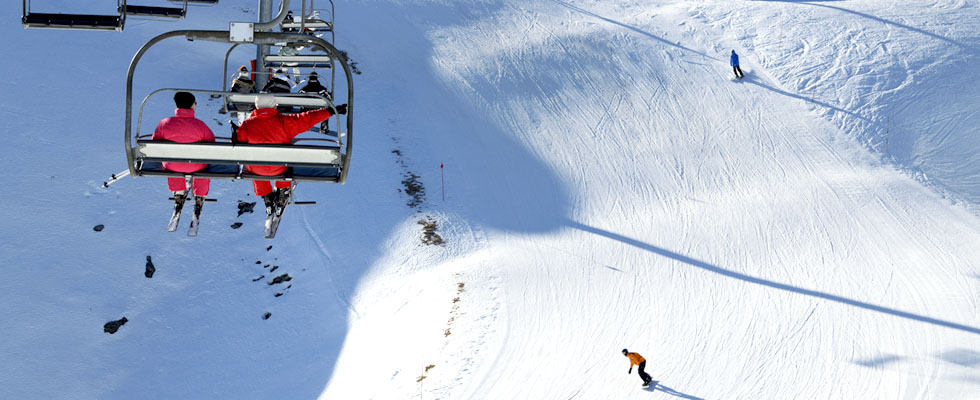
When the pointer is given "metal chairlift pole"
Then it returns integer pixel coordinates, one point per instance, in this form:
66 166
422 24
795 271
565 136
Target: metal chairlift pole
265 14
265 24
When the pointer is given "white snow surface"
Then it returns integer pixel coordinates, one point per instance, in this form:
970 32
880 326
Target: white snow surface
809 232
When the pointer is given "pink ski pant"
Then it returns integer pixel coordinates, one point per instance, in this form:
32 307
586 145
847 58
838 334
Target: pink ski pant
201 185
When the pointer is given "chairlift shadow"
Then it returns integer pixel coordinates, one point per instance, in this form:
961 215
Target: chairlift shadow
632 28
817 3
770 284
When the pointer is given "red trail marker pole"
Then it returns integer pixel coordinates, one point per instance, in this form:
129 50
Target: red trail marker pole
442 171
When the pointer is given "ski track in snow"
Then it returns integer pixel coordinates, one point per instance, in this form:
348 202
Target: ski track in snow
807 232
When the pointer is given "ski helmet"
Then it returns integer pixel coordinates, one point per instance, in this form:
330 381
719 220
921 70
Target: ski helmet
625 351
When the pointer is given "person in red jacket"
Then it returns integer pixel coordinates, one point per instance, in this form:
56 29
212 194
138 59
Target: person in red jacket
637 359
267 126
184 128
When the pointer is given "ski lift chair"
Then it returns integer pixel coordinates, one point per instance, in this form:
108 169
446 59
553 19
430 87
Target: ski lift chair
154 11
312 21
309 20
322 159
299 61
310 159
31 19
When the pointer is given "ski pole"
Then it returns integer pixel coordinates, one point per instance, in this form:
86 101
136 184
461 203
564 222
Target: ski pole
116 177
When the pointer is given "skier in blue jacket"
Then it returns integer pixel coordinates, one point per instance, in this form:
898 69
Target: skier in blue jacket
738 71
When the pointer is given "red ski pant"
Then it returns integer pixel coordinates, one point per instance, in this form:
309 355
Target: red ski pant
201 185
263 188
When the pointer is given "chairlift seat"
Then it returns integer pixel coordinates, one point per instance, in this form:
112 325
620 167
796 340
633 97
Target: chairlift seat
314 25
151 11
309 163
239 153
283 101
72 21
301 61
225 171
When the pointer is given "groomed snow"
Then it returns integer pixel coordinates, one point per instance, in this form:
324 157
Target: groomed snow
809 232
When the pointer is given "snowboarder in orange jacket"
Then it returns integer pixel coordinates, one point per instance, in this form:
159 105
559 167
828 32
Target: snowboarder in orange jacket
637 359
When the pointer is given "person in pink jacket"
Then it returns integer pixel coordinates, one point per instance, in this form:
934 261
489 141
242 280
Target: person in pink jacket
184 128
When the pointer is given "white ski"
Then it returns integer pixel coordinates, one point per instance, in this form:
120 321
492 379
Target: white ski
272 222
175 218
196 219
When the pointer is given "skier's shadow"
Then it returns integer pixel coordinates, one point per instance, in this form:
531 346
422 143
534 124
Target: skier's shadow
657 386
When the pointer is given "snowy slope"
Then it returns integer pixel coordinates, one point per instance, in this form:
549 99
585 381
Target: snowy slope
606 186
895 75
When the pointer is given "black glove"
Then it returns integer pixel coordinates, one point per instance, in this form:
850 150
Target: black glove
631 371
341 109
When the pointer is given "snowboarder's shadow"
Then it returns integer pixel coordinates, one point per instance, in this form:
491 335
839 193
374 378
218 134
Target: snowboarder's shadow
745 76
656 386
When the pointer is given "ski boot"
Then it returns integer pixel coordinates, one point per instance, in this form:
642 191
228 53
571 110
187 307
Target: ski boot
198 204
179 197
270 203
283 195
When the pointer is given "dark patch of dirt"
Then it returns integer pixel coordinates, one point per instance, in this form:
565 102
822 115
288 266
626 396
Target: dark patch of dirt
266 315
280 279
98 228
351 63
236 225
414 189
244 207
150 269
412 186
429 235
113 326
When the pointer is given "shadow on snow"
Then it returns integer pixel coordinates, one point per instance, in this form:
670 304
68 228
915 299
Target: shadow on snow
770 284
